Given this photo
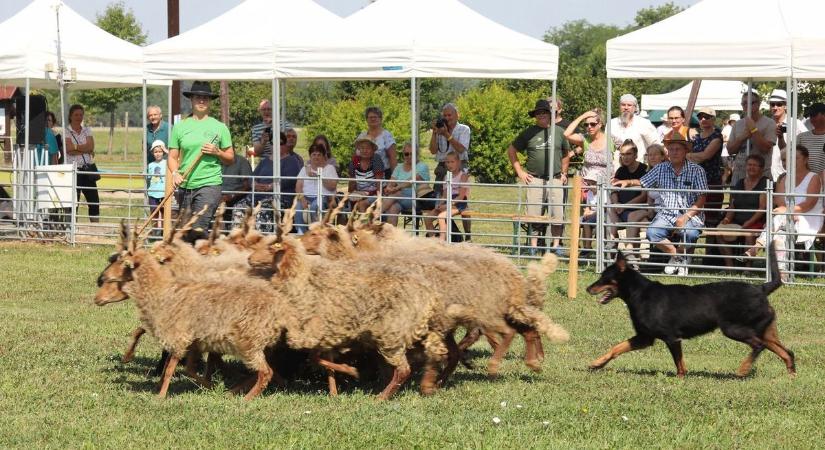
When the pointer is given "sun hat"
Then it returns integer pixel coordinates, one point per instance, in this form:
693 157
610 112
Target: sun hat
674 137
541 105
200 88
709 111
734 116
159 143
778 95
366 139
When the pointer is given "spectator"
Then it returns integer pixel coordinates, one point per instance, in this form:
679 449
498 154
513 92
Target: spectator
727 158
680 216
814 140
675 122
382 138
560 121
235 189
630 169
746 209
199 136
50 153
366 168
460 191
80 150
631 126
450 136
779 111
707 152
156 129
401 187
324 142
756 132
655 154
291 165
544 174
594 144
291 139
262 132
156 178
309 186
589 214
806 215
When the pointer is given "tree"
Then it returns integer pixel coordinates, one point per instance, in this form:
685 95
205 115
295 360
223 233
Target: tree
120 22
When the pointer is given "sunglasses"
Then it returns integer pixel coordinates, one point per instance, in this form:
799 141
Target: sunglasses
775 104
591 124
407 154
704 116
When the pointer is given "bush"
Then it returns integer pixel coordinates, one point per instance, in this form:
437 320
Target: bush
342 120
496 116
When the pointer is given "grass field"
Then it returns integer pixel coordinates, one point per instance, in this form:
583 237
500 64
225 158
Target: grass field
62 383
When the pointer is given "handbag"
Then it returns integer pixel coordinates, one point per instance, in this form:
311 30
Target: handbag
94 173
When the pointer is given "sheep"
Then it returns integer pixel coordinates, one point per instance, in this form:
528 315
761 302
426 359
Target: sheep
502 281
391 309
181 312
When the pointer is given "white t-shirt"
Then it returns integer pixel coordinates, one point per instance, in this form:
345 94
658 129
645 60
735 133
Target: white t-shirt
461 133
776 158
311 184
640 131
79 139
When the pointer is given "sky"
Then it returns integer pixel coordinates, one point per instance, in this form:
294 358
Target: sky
531 17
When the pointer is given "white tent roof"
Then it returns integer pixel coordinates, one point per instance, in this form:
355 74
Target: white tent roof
29 44
721 95
804 19
241 44
422 38
715 39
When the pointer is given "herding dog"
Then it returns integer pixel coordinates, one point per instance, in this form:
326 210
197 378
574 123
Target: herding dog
675 312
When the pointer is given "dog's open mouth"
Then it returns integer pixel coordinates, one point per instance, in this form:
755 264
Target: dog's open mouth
608 292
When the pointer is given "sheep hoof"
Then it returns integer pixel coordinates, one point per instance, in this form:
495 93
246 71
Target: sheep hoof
127 358
534 365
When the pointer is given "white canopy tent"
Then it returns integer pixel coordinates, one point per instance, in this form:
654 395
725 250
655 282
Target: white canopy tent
723 95
96 59
732 48
804 20
424 38
241 44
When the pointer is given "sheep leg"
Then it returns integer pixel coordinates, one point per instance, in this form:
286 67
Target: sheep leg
243 386
333 385
532 346
470 338
501 350
453 357
329 365
213 361
171 364
492 339
400 375
130 350
193 356
262 380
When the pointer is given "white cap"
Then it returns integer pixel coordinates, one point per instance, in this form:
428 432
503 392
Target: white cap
734 116
159 143
778 95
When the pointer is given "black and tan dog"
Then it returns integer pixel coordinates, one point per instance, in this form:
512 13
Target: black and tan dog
675 312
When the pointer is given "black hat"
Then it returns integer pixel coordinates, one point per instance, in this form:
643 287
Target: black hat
541 105
200 88
814 109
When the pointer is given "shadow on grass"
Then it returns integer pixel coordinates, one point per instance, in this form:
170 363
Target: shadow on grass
669 373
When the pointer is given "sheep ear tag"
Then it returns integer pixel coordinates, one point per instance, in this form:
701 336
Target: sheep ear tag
276 246
128 263
354 239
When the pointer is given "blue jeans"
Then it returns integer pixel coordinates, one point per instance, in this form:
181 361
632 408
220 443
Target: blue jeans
300 225
663 228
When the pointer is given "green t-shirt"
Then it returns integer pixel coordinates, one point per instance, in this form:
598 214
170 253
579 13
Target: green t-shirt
532 141
188 136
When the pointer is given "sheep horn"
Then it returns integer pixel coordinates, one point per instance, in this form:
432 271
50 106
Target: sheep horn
350 221
216 227
123 242
178 223
289 215
337 210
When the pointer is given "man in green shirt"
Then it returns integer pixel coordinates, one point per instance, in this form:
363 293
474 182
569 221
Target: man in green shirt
545 171
198 135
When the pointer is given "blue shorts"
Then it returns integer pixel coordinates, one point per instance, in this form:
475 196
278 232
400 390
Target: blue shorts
662 228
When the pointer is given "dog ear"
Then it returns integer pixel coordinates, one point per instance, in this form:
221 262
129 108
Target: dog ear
619 256
621 263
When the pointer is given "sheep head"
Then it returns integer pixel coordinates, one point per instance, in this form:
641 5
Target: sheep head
118 272
330 242
280 258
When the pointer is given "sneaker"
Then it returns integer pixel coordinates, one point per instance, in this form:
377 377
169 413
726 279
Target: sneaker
671 266
682 270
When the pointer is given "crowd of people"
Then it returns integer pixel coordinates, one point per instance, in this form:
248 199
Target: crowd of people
668 181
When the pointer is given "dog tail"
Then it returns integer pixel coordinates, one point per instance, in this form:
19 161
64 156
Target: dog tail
537 274
776 278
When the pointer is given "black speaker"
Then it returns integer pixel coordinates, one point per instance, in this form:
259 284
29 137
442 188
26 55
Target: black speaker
37 119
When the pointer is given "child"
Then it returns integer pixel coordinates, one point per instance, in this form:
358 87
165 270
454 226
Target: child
157 179
367 169
461 192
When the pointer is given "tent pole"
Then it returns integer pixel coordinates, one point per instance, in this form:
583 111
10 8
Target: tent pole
283 103
609 157
28 162
143 137
748 114
553 106
167 212
414 139
276 125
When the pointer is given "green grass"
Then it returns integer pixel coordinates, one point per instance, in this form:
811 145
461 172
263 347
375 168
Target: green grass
62 385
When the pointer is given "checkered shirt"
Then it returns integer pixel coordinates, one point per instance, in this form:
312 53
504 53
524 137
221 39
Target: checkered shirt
663 178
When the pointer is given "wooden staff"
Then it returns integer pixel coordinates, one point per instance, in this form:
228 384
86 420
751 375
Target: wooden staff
575 223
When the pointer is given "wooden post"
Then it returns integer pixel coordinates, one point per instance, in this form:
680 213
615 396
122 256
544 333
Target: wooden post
575 225
126 136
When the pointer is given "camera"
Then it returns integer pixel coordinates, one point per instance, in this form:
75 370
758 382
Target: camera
268 131
783 128
440 123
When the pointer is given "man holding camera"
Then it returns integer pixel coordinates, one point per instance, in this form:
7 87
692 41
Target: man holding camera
778 102
262 132
449 135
